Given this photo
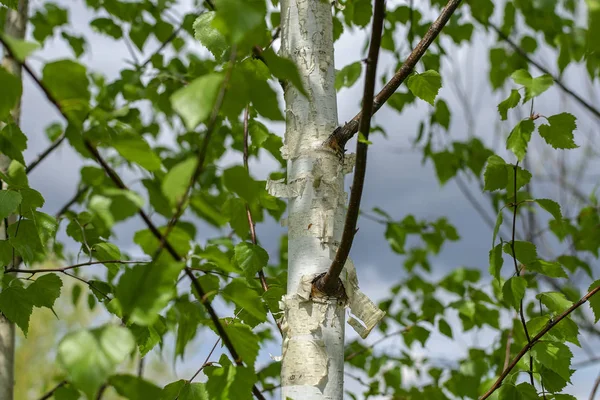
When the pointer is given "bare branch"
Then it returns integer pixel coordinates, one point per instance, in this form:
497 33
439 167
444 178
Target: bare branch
340 137
330 282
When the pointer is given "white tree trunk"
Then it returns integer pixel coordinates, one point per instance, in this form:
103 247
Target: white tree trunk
313 347
15 26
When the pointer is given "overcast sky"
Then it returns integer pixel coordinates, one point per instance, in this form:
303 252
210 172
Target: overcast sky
396 180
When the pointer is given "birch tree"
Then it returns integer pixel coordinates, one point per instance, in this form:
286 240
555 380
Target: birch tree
170 145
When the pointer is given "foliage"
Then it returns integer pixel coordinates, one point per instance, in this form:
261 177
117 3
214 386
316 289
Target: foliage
199 98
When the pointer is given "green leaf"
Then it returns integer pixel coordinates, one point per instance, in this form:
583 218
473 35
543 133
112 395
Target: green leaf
24 237
11 92
9 202
134 388
513 291
244 341
445 328
184 390
551 206
177 180
236 19
136 149
442 114
595 301
251 258
496 261
68 83
210 37
247 299
499 220
551 269
235 211
347 76
107 26
559 134
16 305
78 43
525 252
13 142
239 181
284 69
91 356
554 356
519 138
144 290
20 48
533 86
446 165
195 102
555 302
426 85
495 175
511 102
45 290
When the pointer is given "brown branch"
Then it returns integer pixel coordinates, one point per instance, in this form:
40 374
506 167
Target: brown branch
517 270
535 339
540 67
72 201
34 163
340 137
595 388
261 274
153 229
63 269
330 282
50 393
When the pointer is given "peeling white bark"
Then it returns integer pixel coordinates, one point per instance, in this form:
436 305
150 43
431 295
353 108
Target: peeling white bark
313 348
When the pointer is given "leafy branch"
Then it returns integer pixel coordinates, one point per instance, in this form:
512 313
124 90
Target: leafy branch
338 139
536 339
153 229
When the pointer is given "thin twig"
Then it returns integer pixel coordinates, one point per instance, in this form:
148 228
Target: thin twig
50 393
595 388
72 201
261 274
34 163
517 271
531 61
330 281
340 137
63 269
535 339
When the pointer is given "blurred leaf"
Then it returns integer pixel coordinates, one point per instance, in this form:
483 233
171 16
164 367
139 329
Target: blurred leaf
195 102
91 356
